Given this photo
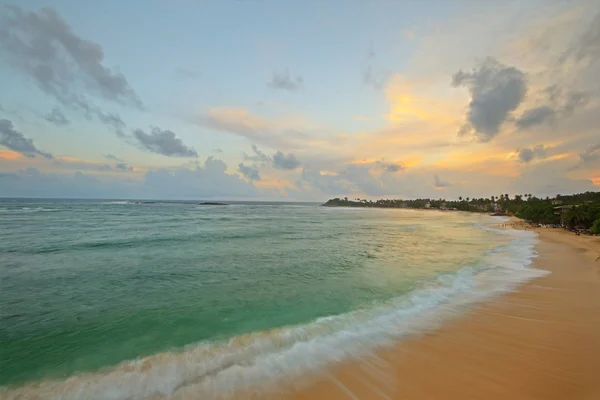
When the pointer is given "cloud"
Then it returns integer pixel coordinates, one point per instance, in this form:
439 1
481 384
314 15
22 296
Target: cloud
163 142
250 172
218 150
57 117
536 116
438 183
79 164
591 154
14 140
565 106
211 180
284 81
327 183
114 121
390 167
258 156
360 175
587 47
113 157
278 161
283 161
528 154
123 167
496 90
574 101
547 179
43 46
375 79
284 133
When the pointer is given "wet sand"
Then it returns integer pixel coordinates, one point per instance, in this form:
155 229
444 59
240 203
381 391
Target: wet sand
540 342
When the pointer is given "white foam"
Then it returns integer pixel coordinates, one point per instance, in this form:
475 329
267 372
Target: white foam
254 361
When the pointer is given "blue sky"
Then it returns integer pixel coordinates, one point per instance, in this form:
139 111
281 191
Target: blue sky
298 100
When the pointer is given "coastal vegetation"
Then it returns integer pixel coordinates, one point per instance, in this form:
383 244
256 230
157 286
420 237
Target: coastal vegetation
575 211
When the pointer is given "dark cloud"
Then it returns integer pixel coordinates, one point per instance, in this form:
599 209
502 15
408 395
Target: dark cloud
14 140
258 156
438 183
112 120
528 154
284 81
591 154
574 101
285 161
375 79
113 157
390 167
123 167
536 116
250 172
57 117
163 142
496 90
43 46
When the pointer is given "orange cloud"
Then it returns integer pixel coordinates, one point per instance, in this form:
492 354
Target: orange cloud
10 155
409 101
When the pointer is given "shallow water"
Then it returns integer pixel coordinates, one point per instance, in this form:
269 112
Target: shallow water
133 300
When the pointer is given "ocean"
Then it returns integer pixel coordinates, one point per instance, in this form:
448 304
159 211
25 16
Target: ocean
127 300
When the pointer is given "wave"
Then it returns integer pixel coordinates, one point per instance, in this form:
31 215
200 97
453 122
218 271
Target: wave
23 210
138 242
254 361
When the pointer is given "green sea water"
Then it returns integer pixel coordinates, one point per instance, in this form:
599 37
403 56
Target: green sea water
87 286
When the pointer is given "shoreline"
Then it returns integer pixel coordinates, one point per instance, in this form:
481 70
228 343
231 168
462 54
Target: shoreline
541 341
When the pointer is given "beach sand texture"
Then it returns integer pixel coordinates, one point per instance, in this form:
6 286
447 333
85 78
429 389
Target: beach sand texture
540 342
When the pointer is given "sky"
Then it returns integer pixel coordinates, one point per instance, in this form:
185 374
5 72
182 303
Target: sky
299 100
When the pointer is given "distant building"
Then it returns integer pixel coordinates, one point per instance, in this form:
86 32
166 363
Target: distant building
556 202
560 210
427 205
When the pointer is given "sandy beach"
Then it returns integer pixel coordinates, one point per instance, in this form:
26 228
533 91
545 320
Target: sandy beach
540 342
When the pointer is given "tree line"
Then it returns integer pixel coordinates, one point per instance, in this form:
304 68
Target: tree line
579 210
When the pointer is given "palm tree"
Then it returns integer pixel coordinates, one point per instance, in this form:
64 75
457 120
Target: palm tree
575 216
459 198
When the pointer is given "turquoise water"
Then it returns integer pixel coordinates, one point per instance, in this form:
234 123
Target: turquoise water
191 290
